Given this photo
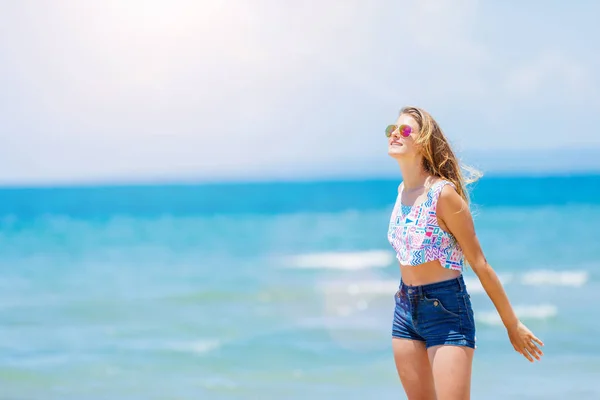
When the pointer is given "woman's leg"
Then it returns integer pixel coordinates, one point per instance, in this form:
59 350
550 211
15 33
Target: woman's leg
413 368
451 367
446 322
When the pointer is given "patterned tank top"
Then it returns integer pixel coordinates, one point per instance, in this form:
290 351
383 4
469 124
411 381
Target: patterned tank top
416 236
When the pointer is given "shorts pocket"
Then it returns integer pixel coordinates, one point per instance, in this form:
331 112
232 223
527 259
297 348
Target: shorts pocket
444 304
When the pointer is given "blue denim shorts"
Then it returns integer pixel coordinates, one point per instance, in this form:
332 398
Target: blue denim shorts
438 314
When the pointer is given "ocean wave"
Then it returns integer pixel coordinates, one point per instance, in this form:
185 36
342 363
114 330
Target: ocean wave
535 278
195 346
349 261
377 286
474 285
363 287
555 278
198 347
524 312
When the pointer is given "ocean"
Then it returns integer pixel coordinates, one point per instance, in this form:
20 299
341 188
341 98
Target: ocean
276 290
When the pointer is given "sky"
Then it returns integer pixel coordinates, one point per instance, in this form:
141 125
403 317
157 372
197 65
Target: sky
122 90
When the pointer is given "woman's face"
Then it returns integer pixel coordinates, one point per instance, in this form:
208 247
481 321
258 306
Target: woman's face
401 142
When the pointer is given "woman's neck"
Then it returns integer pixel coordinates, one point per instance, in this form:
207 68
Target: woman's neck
413 174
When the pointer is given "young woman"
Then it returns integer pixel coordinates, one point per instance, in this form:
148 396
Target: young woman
432 232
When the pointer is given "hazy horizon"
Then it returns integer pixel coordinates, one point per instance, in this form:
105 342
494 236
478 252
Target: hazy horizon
576 162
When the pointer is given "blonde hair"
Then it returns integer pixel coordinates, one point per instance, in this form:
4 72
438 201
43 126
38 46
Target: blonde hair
438 158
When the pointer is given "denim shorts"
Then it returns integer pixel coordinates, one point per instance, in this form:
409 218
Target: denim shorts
438 314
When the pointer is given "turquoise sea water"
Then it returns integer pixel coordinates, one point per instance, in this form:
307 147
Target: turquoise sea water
276 291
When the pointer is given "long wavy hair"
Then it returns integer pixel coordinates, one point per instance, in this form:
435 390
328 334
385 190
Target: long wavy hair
438 158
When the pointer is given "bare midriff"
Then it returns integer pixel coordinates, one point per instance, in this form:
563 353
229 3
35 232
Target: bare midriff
429 272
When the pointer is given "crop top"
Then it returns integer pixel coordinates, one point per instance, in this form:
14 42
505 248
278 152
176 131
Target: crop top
416 236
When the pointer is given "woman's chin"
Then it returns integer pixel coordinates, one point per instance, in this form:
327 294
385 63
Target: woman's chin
396 152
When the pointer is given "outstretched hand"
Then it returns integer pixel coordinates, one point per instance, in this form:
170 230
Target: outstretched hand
525 342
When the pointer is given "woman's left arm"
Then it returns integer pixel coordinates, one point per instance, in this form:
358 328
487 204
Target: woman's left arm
454 212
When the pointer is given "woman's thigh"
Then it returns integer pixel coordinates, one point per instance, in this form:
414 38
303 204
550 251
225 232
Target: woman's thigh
413 368
451 368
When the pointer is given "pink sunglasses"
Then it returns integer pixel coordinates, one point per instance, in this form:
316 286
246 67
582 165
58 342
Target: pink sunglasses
405 130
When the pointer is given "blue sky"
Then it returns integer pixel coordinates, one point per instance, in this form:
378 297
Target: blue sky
124 90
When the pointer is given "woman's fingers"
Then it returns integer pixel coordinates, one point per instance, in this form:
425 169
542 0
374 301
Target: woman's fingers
526 354
533 350
538 341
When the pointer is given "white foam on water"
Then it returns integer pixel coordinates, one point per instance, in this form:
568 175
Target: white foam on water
531 278
351 296
356 307
474 285
536 278
366 287
195 346
555 278
198 347
524 312
386 287
348 261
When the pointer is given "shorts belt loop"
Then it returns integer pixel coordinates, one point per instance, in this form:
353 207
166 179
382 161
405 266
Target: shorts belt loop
461 283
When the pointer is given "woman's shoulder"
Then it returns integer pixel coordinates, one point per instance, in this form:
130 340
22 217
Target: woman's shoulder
439 184
448 198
